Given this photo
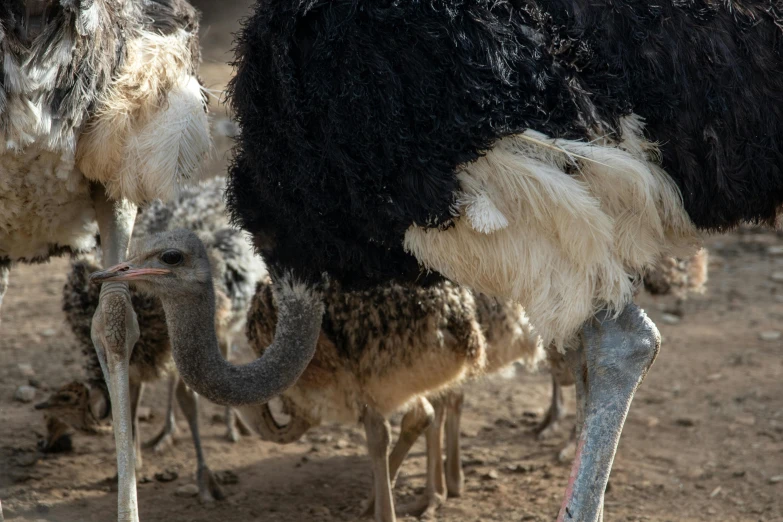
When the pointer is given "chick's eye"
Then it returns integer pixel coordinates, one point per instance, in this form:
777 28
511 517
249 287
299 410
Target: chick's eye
171 257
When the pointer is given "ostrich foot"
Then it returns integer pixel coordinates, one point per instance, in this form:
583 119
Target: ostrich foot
164 440
423 507
208 488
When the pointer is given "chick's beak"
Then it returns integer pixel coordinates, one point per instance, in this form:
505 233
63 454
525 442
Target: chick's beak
125 272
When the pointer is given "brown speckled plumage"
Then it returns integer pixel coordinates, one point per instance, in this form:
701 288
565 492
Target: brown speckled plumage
383 347
389 344
678 276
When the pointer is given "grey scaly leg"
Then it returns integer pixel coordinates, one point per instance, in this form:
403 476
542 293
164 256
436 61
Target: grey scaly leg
5 271
611 362
136 391
208 488
115 331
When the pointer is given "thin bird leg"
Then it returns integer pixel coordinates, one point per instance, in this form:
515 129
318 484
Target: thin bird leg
5 271
136 391
378 434
568 451
414 422
612 360
235 426
455 478
435 491
208 489
556 413
165 438
115 331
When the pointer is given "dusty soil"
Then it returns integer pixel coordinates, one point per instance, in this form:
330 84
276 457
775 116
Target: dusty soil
703 442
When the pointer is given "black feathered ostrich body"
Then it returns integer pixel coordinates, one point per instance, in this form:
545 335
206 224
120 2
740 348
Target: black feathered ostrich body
568 134
100 110
544 150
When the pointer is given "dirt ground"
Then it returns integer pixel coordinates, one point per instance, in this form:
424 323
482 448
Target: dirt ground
703 441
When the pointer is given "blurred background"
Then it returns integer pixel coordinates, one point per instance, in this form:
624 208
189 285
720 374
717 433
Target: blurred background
703 441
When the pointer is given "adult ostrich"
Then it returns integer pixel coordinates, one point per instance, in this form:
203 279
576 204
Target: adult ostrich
100 110
548 151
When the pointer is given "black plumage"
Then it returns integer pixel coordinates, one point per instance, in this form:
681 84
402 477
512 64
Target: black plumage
356 114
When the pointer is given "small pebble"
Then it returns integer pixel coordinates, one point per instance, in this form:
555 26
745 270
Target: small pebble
26 369
670 319
35 383
341 444
490 475
25 394
188 490
776 479
716 492
30 459
226 477
775 250
685 422
321 511
48 332
42 507
167 476
323 438
770 335
652 421
777 277
520 468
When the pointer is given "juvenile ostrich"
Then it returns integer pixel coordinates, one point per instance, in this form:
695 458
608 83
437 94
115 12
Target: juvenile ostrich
235 270
548 151
100 110
379 350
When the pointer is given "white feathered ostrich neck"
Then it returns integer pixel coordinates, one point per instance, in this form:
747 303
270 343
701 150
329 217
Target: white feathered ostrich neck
93 90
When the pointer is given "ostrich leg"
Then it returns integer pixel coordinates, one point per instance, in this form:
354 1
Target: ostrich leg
165 438
208 489
609 365
5 270
556 413
455 478
115 331
378 434
415 421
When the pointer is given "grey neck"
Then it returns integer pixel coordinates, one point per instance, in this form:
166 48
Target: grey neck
191 325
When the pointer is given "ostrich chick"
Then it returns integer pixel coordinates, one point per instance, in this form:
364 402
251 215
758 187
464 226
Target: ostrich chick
509 338
378 351
83 405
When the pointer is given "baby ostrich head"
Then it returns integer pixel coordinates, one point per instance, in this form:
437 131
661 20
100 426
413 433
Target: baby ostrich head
174 267
173 264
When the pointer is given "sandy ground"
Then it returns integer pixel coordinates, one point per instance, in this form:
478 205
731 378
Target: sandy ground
703 442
